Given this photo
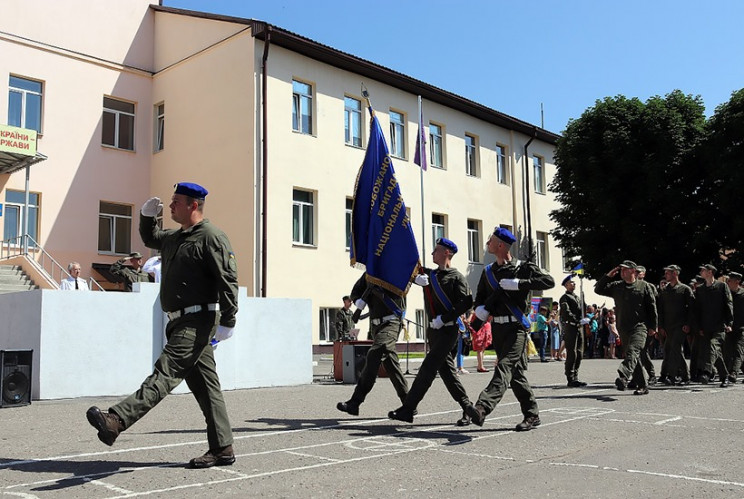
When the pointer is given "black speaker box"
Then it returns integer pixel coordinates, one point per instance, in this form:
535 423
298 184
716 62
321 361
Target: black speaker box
15 377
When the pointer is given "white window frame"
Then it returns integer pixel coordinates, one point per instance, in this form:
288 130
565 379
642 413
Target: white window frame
471 155
118 113
438 227
299 209
302 100
397 134
436 145
327 324
114 219
474 245
15 210
25 93
348 211
420 321
159 142
538 170
502 172
541 250
353 122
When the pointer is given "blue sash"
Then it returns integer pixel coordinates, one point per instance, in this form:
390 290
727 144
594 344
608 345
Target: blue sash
443 297
518 314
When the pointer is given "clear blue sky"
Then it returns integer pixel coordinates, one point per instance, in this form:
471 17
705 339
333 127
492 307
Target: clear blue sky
514 55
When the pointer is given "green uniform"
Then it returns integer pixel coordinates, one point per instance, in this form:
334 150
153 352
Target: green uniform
676 308
385 327
650 340
128 275
570 310
198 269
714 312
344 323
636 314
509 334
442 341
734 343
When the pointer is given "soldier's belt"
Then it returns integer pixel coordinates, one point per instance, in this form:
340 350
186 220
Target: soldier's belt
382 320
504 319
211 307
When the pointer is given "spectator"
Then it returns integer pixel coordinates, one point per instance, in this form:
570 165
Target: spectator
482 339
74 282
152 267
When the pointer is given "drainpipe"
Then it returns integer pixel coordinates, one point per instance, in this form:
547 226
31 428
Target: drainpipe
526 191
264 161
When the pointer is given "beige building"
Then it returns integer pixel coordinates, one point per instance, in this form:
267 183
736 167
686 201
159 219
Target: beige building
272 123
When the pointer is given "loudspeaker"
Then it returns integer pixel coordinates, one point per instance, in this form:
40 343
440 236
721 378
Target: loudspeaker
354 358
15 377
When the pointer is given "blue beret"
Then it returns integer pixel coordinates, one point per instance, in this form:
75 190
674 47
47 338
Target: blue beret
568 278
450 245
504 234
191 190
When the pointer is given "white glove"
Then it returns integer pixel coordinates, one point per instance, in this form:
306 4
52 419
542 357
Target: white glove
437 323
223 333
509 284
482 313
152 207
584 321
360 304
422 280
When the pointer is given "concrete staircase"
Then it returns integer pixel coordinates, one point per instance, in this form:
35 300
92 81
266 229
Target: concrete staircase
14 279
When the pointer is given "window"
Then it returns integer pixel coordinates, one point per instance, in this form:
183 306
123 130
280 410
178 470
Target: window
501 165
474 241
471 156
302 217
24 103
349 206
539 174
14 222
437 227
436 145
397 134
302 107
541 252
327 329
353 121
118 124
569 262
159 126
420 321
114 228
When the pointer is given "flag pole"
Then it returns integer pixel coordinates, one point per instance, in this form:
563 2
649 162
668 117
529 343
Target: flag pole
422 151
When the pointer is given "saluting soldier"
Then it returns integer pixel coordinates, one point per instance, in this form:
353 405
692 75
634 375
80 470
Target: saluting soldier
199 294
447 296
570 312
385 318
129 274
676 315
636 319
734 343
504 292
715 316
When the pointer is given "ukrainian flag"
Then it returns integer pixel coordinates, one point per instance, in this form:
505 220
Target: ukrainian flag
578 269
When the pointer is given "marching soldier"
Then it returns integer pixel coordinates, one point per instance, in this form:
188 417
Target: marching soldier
715 316
734 343
676 308
570 310
650 340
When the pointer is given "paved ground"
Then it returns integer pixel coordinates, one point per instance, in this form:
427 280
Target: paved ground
292 442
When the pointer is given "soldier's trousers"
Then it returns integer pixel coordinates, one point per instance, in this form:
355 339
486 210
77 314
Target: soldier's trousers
674 363
646 357
711 353
733 349
574 339
633 342
188 356
438 360
384 337
509 340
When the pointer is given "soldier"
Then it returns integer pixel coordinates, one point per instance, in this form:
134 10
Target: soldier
676 313
199 293
130 274
344 322
734 343
504 292
385 312
570 310
636 319
447 297
650 345
715 316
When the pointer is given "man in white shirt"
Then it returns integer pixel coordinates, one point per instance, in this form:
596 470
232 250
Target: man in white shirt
74 282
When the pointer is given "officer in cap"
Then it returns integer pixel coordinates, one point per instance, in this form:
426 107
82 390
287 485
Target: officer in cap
570 310
446 296
504 293
676 315
129 274
199 294
715 316
733 346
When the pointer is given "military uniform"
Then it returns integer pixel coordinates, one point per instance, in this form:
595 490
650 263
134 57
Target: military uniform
636 314
128 275
198 271
649 346
509 334
570 310
676 307
734 343
344 323
385 327
443 340
714 313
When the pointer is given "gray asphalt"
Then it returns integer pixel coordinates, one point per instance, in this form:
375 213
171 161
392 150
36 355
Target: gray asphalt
292 442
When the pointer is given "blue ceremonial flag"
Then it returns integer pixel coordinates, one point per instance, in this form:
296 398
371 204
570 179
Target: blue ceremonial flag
578 269
382 239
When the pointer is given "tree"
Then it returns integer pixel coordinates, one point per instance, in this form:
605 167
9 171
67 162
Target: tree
628 184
